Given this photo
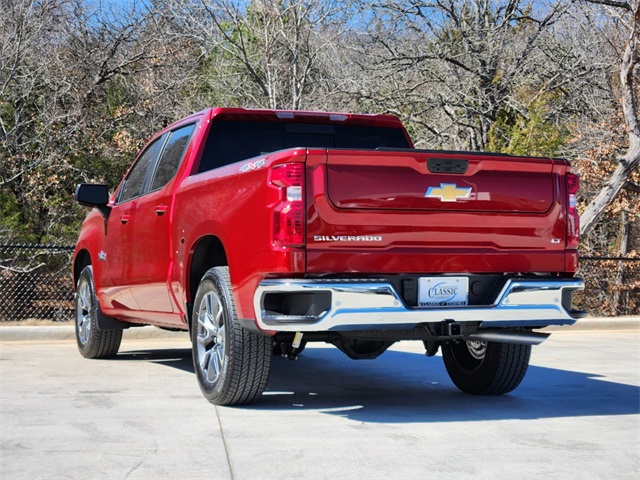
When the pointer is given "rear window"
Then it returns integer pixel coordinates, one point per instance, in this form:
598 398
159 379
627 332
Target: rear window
230 142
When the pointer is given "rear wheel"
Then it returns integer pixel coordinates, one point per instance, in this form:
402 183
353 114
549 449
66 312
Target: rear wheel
232 365
92 342
486 368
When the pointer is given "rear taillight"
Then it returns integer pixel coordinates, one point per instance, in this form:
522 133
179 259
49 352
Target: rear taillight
288 216
573 217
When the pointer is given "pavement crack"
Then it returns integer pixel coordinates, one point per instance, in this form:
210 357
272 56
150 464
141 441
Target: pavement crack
134 468
224 442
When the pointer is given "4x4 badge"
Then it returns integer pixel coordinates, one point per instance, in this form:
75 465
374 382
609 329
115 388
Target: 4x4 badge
448 192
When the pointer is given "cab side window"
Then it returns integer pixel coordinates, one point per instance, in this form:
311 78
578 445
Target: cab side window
172 156
134 183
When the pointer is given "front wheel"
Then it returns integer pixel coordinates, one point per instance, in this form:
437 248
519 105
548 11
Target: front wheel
92 342
232 364
486 368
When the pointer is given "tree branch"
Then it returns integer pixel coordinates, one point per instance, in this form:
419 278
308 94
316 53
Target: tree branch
631 160
612 3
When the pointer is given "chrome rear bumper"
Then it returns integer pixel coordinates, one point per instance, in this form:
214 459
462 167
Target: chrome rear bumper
370 305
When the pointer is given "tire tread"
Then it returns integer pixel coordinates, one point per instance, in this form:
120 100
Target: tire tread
501 371
513 363
250 361
101 343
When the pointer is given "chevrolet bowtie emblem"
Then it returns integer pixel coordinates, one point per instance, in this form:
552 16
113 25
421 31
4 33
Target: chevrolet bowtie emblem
448 192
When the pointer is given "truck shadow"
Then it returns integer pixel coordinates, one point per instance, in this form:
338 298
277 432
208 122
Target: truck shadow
179 358
401 387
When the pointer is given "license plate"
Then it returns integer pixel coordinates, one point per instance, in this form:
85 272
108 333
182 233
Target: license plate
443 291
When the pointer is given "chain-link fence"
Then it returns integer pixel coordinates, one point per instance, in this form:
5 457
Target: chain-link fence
612 286
35 283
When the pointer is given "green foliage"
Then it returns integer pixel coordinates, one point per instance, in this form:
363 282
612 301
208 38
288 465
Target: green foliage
528 133
7 112
12 222
115 97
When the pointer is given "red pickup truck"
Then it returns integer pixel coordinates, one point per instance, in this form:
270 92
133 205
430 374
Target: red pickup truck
259 231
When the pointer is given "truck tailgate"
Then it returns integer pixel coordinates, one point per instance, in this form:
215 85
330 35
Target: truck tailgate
416 211
422 182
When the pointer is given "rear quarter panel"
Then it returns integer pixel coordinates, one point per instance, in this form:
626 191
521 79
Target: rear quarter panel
235 204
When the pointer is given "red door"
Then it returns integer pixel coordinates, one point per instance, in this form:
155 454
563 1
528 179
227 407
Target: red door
112 266
151 253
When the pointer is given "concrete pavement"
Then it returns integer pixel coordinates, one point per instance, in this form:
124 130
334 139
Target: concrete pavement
65 331
141 415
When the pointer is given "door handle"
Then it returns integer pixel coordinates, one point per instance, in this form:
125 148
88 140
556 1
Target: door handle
161 210
125 219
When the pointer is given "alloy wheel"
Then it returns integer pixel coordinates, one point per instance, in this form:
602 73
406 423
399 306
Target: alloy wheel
211 337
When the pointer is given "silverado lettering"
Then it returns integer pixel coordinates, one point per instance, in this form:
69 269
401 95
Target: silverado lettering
347 238
259 231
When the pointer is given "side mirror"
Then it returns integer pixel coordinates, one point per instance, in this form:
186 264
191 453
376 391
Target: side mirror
95 196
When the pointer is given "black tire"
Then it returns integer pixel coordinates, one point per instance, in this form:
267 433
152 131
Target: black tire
92 342
232 364
486 368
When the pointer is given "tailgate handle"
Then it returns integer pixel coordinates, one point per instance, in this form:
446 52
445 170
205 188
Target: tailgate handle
447 165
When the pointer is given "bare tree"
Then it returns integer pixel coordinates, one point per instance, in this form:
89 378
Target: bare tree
466 68
628 91
23 83
261 53
74 79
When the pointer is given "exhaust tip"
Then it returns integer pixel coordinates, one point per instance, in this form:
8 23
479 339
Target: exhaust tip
509 336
